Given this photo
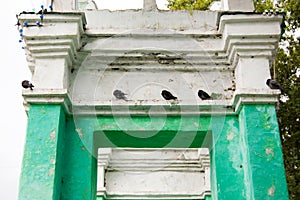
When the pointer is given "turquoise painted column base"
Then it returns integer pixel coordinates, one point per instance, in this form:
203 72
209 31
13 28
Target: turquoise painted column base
263 158
41 175
246 156
58 161
227 173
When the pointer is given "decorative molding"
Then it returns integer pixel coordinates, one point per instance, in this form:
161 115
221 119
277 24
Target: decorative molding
58 36
250 96
205 51
115 108
47 96
155 166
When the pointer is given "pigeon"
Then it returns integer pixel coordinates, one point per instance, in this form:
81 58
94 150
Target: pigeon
120 95
203 95
168 95
274 85
27 84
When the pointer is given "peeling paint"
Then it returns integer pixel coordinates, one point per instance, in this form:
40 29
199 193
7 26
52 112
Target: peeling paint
80 132
52 161
230 136
43 110
271 191
107 127
270 151
196 124
53 135
51 171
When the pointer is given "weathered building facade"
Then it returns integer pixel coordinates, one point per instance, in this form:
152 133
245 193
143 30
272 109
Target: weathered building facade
84 143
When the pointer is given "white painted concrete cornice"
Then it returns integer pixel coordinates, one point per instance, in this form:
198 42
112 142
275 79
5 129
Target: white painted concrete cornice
250 35
204 42
153 108
47 96
58 36
254 96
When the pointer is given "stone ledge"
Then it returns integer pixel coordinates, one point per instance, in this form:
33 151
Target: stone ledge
251 96
159 107
47 96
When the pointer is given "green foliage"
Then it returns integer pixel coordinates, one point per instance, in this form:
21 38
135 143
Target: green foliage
262 5
189 4
287 64
292 8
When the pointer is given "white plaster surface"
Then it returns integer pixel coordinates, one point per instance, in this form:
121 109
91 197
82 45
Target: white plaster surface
156 173
143 52
252 73
50 74
238 5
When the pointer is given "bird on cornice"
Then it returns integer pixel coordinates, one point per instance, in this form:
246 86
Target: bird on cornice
203 95
168 95
27 84
120 95
274 85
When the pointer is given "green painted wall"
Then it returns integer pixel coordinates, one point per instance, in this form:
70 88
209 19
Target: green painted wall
227 169
79 179
42 160
155 132
60 152
263 160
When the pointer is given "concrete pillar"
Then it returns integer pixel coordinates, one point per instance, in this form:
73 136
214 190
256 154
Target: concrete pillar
66 5
51 73
249 71
80 174
150 5
238 5
41 176
263 160
227 171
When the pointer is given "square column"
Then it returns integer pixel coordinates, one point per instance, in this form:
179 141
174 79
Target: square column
238 5
227 171
265 177
251 74
41 176
51 73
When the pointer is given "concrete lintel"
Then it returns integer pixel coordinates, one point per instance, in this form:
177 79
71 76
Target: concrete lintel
134 21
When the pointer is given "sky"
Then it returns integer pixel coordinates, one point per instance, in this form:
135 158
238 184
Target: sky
13 119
